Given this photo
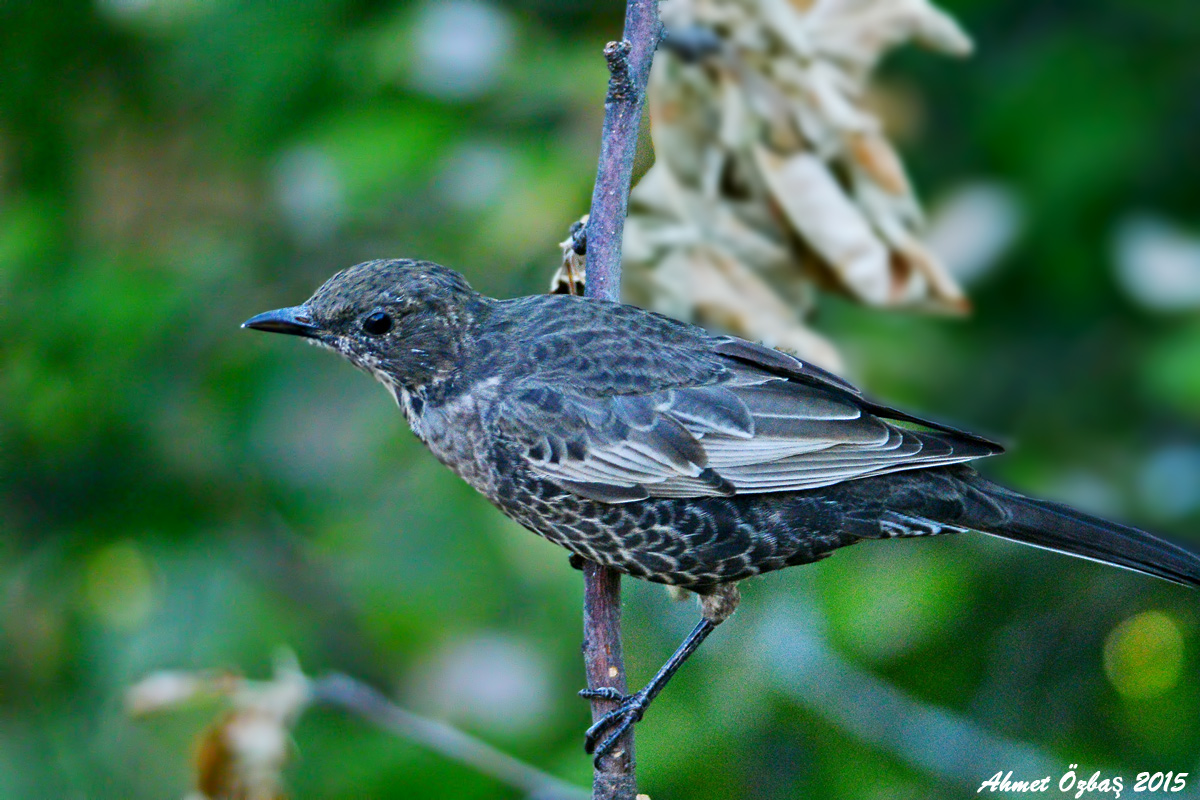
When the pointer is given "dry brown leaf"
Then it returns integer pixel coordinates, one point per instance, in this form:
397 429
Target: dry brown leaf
705 285
819 209
857 33
877 158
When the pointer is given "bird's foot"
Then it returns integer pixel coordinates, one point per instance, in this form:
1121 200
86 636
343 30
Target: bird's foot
604 733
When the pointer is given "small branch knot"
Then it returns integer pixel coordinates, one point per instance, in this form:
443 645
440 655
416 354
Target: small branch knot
620 86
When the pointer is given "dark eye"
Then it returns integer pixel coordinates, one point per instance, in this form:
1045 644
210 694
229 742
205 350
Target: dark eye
377 323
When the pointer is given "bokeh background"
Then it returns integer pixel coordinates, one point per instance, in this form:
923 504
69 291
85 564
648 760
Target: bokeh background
175 492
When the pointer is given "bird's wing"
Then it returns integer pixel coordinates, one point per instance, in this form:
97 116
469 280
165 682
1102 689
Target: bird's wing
769 423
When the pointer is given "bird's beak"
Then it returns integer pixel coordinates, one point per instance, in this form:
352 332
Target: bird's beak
296 321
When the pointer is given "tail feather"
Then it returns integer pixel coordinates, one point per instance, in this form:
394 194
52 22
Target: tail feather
995 510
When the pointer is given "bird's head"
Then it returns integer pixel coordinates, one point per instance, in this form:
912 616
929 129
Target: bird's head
406 322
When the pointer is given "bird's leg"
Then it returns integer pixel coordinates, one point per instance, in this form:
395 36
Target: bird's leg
634 706
604 733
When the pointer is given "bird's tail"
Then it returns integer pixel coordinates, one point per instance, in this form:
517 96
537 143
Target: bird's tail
998 511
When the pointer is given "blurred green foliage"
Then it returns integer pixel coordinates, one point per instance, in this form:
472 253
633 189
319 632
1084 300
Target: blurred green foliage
175 493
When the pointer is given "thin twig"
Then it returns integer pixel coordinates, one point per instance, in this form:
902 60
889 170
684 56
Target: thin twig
629 64
341 690
603 658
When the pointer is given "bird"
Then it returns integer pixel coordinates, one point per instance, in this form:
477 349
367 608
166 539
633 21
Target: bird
656 448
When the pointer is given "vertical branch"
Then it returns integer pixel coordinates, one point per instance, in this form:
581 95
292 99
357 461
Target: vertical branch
629 67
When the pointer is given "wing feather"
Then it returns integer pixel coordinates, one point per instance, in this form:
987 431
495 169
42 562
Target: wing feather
768 423
710 408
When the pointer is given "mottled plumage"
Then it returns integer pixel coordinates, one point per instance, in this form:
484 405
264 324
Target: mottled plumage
664 451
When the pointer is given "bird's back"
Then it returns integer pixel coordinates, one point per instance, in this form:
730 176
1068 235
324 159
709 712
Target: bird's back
591 346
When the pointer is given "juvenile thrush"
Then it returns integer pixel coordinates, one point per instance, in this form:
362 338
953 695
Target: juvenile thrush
669 453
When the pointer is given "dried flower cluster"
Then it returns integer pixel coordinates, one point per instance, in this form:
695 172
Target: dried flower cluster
772 178
241 756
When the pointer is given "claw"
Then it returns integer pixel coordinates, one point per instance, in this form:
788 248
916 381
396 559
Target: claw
631 708
603 693
615 723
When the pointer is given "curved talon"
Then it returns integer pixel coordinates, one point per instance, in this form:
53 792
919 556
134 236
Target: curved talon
604 747
615 723
603 693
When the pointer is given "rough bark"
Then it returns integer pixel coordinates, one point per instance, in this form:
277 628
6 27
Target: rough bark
629 66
